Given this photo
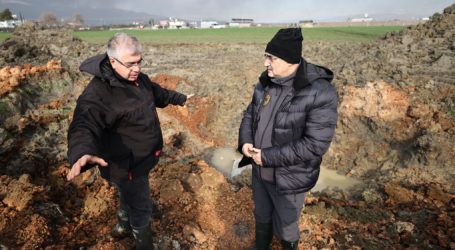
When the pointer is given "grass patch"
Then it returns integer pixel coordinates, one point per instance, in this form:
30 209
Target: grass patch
242 35
188 36
351 34
236 35
4 35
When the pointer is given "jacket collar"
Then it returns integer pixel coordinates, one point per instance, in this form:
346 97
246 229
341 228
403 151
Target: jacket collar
99 66
300 79
109 74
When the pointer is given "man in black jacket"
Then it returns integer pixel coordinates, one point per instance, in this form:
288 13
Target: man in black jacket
115 125
285 131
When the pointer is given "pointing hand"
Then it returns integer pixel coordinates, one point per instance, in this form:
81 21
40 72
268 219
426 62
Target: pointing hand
90 159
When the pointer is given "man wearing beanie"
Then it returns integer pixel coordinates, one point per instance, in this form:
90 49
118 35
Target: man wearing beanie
285 131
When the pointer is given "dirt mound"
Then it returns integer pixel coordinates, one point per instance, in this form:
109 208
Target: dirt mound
201 209
10 78
33 44
416 55
222 75
38 87
397 107
34 116
394 137
197 113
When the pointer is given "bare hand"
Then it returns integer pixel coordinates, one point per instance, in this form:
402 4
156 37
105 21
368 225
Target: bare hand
247 149
188 101
257 156
76 168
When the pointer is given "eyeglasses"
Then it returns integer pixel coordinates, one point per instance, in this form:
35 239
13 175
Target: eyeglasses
270 57
129 65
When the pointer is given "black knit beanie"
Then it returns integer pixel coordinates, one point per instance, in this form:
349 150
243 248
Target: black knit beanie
287 45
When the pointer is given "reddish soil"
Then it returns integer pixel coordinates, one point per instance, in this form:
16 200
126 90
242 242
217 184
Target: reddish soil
396 133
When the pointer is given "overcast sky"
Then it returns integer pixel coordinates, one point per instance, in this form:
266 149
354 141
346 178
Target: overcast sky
283 10
260 10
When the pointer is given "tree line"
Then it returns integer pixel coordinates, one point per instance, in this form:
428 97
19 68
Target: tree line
47 18
6 15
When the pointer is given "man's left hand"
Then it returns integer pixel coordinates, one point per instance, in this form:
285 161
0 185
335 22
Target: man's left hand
257 156
188 101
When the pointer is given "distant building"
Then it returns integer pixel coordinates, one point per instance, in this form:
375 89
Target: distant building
10 24
163 24
241 22
306 23
219 26
208 24
363 19
174 23
193 24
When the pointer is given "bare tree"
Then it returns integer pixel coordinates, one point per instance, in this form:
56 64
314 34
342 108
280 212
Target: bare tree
78 19
49 19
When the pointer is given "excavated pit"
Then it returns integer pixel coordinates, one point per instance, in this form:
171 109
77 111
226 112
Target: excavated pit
395 134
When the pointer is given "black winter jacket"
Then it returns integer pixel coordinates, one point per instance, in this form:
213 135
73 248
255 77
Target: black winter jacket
302 131
117 121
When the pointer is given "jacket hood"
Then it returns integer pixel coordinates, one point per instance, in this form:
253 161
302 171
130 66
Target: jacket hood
100 67
306 73
92 65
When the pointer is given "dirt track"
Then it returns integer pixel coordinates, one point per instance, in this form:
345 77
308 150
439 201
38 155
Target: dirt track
396 133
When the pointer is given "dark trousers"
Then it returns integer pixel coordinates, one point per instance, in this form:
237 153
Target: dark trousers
283 211
134 198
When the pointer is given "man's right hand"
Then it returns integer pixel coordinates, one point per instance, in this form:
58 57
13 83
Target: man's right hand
248 149
76 168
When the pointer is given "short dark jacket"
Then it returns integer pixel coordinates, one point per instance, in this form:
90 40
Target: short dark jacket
117 121
302 130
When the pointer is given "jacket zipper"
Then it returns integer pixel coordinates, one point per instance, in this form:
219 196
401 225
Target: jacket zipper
290 94
262 137
256 122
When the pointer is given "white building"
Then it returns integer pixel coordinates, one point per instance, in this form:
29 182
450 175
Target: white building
10 24
362 20
306 23
208 24
241 22
218 26
174 23
163 24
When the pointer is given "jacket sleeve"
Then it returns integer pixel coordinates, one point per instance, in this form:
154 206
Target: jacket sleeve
164 97
320 127
86 129
245 131
246 127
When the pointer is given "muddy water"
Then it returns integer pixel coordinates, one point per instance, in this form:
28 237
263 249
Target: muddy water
331 179
223 160
226 160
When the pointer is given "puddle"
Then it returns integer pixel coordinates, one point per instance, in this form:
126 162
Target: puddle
331 179
226 161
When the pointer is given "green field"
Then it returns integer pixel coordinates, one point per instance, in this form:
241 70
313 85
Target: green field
237 35
3 36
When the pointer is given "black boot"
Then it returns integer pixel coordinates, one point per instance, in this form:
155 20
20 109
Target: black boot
290 245
264 235
143 238
122 229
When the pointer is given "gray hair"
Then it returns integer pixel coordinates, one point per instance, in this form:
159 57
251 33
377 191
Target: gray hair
122 41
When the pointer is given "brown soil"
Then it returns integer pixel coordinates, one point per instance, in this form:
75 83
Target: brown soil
396 133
